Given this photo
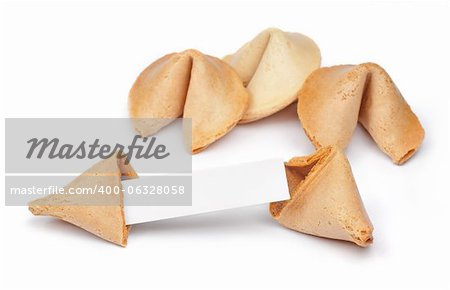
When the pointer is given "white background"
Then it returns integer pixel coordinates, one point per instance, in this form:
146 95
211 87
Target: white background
80 60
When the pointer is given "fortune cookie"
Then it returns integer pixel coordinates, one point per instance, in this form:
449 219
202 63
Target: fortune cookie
333 99
325 201
192 85
98 213
273 67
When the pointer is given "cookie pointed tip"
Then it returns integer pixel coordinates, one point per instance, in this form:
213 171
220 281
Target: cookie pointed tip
191 52
35 210
364 238
273 29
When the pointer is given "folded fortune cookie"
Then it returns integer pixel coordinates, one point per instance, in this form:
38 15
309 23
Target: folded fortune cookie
197 86
100 214
333 99
273 67
325 201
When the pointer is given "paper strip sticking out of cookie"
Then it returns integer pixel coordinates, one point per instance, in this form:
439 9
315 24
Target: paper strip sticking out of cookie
333 99
325 201
273 67
100 214
192 85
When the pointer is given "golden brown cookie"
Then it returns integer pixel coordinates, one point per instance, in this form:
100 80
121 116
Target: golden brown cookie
273 67
192 85
100 214
333 100
325 201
